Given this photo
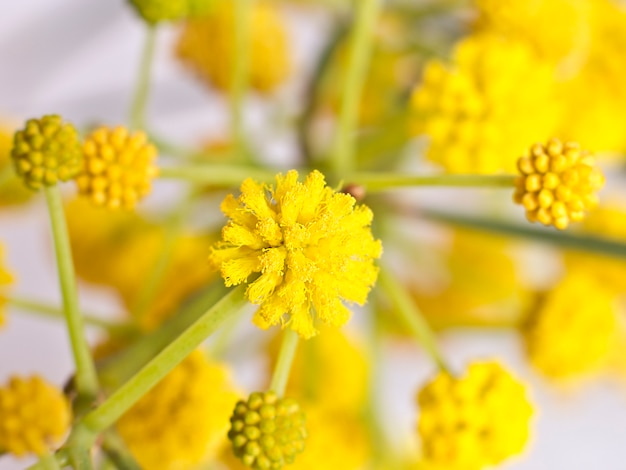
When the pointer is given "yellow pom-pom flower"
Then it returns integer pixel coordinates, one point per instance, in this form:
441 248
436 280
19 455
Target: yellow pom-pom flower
475 421
207 46
558 183
267 432
5 280
306 246
484 108
118 167
572 328
46 151
183 419
34 416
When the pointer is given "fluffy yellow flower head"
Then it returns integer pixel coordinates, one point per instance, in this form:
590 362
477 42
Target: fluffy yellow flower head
475 421
207 45
46 151
312 247
118 167
558 183
5 280
183 419
572 328
485 107
34 416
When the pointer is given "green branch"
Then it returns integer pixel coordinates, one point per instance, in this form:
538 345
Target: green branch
374 182
218 175
142 89
283 364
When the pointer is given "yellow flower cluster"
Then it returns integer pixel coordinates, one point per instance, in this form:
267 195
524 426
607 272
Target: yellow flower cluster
46 151
12 190
307 246
34 416
118 167
475 421
183 419
558 183
572 328
5 280
207 45
482 110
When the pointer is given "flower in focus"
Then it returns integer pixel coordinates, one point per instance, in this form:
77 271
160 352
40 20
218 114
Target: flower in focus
267 432
183 419
46 151
312 247
572 328
475 421
486 106
5 280
558 183
118 167
34 416
207 46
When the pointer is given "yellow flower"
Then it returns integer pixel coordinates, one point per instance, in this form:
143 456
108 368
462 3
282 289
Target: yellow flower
207 45
558 183
46 151
118 167
267 432
5 280
34 416
12 190
475 421
183 419
307 246
484 108
572 328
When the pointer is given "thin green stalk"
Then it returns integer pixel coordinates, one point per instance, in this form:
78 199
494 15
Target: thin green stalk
86 378
219 175
283 364
342 156
142 382
117 452
240 73
410 315
142 89
173 229
374 182
49 311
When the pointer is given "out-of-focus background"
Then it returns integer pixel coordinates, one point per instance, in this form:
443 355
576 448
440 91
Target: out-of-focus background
80 59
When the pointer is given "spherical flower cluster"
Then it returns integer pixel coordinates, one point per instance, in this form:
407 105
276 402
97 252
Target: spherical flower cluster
558 183
484 108
267 432
572 328
311 247
183 419
5 280
155 11
46 151
118 167
207 46
34 416
474 421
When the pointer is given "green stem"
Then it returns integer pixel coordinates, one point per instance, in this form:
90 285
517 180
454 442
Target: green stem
142 89
410 315
86 378
117 452
342 157
219 175
283 364
382 181
240 73
49 311
173 229
173 354
48 462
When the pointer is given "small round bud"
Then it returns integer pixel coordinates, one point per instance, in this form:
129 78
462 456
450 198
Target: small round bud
46 151
273 434
155 11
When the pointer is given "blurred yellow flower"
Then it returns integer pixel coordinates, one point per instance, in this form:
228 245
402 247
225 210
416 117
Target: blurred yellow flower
12 190
5 280
474 421
34 416
558 183
307 246
183 419
481 111
207 44
572 328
